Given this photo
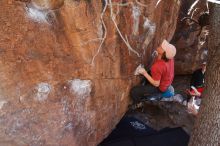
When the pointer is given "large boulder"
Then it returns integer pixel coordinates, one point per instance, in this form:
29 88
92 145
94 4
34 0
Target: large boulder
66 73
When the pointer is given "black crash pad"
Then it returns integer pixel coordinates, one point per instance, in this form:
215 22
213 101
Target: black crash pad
133 132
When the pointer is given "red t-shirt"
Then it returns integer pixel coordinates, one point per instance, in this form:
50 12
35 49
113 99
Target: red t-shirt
164 72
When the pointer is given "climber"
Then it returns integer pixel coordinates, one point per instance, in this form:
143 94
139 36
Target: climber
162 74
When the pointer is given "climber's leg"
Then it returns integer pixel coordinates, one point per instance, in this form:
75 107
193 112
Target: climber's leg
144 92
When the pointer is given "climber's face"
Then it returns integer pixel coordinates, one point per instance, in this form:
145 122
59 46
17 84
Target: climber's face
160 50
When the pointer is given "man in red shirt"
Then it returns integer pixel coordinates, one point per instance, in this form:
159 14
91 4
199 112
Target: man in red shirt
162 74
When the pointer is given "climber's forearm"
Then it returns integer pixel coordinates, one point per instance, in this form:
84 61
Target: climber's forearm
151 80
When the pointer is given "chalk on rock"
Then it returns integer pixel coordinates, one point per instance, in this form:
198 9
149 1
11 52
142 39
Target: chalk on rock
43 90
80 88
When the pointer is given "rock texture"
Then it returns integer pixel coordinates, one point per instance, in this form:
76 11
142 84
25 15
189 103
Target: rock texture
47 4
191 36
62 84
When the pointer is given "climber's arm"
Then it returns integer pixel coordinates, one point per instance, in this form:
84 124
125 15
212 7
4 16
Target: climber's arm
149 78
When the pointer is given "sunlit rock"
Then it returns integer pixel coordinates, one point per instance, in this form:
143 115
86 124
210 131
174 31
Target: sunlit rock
47 4
51 93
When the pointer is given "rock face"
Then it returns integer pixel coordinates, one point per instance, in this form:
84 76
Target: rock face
191 36
66 73
47 4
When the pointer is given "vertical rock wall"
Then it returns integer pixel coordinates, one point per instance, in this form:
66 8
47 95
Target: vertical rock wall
191 36
59 86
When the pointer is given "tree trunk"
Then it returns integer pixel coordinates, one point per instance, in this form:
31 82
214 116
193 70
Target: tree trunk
207 128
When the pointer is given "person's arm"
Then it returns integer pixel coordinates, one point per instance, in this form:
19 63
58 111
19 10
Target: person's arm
149 78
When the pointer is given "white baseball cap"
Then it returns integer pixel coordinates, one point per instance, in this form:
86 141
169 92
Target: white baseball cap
169 49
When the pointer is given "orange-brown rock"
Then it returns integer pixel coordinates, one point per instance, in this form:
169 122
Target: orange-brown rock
47 4
58 86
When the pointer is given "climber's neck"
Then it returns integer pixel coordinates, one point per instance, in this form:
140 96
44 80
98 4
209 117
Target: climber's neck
159 57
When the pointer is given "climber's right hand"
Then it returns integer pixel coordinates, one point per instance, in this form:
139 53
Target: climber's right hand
142 71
